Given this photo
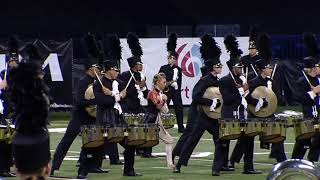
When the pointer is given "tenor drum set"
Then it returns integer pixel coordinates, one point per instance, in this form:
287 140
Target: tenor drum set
270 130
133 133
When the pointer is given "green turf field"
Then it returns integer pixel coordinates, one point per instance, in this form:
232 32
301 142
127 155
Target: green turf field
199 168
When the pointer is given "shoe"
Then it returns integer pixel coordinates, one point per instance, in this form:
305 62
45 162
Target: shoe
148 156
81 176
117 163
7 174
251 171
215 173
176 170
52 172
180 130
78 164
232 165
171 166
227 169
98 170
132 173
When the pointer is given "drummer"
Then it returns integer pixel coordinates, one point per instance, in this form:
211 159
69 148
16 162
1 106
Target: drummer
81 117
308 96
157 104
109 97
136 100
233 87
204 122
265 71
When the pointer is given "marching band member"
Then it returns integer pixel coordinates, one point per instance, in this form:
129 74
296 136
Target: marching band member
265 69
31 102
309 88
233 87
249 60
137 90
193 110
109 96
174 79
8 111
156 105
212 57
89 159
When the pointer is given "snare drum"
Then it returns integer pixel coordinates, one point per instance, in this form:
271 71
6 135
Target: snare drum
136 135
168 120
252 127
93 136
115 134
304 129
273 131
229 129
133 119
151 132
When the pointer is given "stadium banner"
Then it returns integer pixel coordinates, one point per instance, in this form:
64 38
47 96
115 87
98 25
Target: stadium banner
155 55
57 64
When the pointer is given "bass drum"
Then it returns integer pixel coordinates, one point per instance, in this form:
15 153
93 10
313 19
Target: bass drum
294 169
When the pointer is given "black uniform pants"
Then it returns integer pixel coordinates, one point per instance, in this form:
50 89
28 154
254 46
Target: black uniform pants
301 146
5 157
175 96
192 119
71 133
244 146
128 153
111 149
204 124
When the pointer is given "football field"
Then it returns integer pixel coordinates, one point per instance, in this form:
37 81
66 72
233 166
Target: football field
199 167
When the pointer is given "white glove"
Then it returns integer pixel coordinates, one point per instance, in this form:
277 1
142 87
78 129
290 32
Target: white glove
243 79
143 102
241 91
269 84
175 74
259 105
175 85
117 97
244 102
142 76
214 104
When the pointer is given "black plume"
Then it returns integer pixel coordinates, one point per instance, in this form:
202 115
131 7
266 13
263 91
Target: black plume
134 44
209 48
232 45
115 47
13 45
172 42
254 33
264 47
310 43
92 45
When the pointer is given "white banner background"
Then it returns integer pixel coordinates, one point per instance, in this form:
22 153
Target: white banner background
155 55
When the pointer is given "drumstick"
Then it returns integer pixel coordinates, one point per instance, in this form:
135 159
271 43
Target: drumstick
304 74
247 69
132 75
128 83
254 69
98 77
274 70
5 72
234 80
